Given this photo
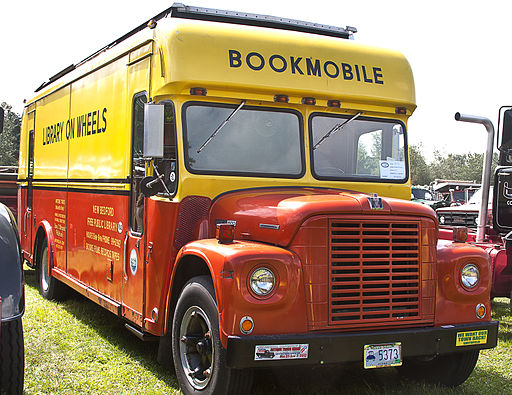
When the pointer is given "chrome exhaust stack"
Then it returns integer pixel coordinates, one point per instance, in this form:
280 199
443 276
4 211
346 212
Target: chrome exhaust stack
486 171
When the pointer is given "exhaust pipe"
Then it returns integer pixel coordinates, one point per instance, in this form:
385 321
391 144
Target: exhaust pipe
486 171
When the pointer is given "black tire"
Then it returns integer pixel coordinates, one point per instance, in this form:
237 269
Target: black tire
449 370
12 361
199 358
49 287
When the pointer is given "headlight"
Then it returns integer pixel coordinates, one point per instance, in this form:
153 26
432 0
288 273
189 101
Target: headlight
441 219
262 281
470 275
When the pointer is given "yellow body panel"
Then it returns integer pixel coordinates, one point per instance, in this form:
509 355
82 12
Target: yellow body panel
232 63
100 121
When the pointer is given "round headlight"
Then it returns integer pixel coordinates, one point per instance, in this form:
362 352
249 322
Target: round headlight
470 275
262 281
441 220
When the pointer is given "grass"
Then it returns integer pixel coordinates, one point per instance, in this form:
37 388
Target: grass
77 347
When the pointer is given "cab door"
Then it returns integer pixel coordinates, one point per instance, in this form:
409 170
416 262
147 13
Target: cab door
26 211
134 267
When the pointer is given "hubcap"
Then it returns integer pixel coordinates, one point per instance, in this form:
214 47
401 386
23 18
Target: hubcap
196 349
45 270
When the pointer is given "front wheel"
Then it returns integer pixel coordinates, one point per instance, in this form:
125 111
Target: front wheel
11 357
199 357
49 287
450 370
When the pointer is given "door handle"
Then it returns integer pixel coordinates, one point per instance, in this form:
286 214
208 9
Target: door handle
25 216
124 256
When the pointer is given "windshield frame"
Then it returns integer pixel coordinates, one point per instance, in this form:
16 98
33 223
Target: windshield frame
353 178
233 106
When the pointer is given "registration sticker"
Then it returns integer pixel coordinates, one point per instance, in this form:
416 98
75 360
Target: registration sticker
472 337
281 351
382 355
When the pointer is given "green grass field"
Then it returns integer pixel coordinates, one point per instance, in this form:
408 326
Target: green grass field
77 347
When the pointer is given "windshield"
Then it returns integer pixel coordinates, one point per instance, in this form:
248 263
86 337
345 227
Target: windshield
362 149
243 140
477 196
418 193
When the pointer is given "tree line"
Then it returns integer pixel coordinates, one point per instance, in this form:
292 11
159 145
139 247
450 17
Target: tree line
466 167
10 137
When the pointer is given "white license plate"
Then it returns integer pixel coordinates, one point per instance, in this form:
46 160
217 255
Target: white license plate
382 355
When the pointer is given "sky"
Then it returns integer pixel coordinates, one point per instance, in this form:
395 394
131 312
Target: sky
458 50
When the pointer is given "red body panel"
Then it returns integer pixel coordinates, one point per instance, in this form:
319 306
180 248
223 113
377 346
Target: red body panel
501 265
454 302
93 250
287 208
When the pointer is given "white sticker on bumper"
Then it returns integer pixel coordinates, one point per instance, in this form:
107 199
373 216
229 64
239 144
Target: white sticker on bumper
281 351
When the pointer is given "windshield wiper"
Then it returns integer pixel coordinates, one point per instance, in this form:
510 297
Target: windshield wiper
336 127
220 127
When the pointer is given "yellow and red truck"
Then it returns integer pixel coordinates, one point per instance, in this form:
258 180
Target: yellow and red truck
237 187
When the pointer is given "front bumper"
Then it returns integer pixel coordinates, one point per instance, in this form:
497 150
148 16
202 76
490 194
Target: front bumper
325 348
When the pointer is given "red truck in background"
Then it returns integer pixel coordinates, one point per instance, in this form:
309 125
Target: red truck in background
8 178
8 187
495 236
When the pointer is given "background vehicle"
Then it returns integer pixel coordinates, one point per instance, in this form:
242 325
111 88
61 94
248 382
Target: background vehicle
425 196
8 187
485 230
454 192
12 306
466 214
235 186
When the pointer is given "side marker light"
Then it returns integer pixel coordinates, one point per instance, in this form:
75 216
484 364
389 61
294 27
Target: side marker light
198 91
281 99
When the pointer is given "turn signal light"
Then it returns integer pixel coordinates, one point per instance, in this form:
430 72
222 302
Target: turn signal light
225 233
460 234
198 91
281 98
401 110
480 311
246 325
334 103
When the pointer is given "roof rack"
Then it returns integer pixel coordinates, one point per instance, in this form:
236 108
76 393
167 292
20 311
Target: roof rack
179 10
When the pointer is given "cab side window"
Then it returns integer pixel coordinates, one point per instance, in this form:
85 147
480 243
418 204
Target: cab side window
138 164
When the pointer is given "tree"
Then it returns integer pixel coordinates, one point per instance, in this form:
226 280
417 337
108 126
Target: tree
420 170
10 137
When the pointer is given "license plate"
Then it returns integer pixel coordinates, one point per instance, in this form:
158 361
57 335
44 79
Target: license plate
382 355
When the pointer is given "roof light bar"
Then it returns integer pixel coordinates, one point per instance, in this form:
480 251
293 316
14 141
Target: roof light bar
179 10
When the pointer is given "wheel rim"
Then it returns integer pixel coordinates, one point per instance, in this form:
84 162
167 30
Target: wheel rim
45 270
196 348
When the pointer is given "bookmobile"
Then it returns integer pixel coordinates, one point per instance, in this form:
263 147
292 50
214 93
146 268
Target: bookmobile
235 186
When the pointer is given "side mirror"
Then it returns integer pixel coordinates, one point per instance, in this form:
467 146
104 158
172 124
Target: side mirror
502 200
505 137
1 119
153 130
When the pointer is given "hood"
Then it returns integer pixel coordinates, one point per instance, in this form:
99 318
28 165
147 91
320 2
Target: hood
273 215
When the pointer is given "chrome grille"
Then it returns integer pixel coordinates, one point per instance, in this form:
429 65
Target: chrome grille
374 271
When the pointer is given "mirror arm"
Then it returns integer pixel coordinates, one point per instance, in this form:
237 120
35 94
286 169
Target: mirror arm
159 177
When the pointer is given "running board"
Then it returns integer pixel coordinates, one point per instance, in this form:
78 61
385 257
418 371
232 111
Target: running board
145 337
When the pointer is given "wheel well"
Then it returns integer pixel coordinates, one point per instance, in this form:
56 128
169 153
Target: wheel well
38 241
188 267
